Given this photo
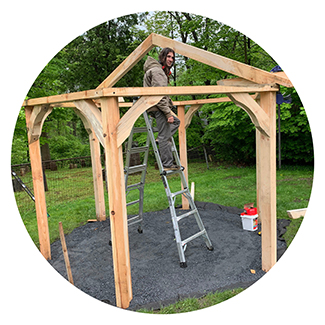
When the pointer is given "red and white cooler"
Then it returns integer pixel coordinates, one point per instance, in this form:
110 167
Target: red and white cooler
249 219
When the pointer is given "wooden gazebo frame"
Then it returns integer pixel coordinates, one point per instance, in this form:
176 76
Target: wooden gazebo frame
105 127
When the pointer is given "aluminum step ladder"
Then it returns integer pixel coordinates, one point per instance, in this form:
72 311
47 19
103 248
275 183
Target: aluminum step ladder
193 211
142 168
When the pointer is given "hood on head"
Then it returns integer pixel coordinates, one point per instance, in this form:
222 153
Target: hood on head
151 63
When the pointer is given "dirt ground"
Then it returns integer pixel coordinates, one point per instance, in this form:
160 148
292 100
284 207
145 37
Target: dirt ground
157 278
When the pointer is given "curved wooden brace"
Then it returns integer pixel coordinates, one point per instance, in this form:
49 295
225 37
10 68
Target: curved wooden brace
37 118
255 112
91 117
190 113
127 121
84 120
96 166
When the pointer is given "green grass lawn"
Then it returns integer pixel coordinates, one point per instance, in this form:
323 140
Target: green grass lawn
71 201
191 304
71 195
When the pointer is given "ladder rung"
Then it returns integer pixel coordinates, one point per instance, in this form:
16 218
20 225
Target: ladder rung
186 214
135 169
171 172
144 129
179 192
134 220
132 202
200 233
134 186
139 130
138 149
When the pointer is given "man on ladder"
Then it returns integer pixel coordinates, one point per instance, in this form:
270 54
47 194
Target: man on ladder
157 75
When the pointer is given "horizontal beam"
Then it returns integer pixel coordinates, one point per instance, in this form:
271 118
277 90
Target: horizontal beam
148 91
64 98
176 103
189 102
185 90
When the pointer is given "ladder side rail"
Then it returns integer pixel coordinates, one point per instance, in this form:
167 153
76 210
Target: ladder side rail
145 159
193 207
152 140
143 177
128 157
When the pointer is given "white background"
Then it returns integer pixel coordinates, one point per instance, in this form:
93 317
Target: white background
32 32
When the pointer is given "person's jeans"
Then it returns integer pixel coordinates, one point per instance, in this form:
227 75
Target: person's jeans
165 132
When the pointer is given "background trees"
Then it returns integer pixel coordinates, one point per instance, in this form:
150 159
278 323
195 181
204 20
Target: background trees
90 58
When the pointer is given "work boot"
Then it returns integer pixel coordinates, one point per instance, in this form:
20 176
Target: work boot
172 167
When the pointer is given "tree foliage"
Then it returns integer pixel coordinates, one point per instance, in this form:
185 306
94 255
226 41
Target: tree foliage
228 129
86 61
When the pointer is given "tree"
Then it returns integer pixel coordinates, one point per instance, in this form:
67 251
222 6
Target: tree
82 64
86 61
229 129
92 56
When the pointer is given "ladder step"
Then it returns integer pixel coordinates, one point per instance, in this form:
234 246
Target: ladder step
200 233
179 192
132 202
171 172
136 169
134 220
143 129
138 149
134 186
186 214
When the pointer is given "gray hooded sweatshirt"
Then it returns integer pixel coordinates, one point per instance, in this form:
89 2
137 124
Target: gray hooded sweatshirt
155 77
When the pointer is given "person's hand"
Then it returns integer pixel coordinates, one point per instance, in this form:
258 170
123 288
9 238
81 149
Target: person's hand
170 119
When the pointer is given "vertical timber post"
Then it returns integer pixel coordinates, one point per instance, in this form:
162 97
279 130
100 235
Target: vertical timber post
117 202
266 182
183 148
97 177
39 191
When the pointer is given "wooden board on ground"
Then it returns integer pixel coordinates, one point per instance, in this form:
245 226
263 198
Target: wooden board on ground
295 214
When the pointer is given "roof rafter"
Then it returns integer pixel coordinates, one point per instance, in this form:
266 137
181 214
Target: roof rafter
220 62
217 61
128 63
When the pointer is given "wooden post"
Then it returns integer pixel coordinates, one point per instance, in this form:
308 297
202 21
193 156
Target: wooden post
117 202
39 191
183 149
65 253
97 177
266 182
